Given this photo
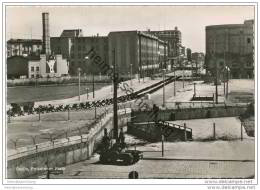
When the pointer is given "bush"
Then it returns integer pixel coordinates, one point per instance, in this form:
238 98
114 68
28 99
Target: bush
28 107
16 109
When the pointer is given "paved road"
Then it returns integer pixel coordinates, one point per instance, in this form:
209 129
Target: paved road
160 168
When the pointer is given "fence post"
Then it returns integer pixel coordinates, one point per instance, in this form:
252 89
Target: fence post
95 112
39 116
185 134
9 119
241 131
68 114
214 131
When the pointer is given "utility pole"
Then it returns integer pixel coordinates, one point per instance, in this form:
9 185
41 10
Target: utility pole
131 75
79 81
216 70
115 97
174 83
93 84
163 88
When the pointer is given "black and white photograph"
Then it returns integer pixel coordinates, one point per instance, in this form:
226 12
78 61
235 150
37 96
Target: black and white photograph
163 92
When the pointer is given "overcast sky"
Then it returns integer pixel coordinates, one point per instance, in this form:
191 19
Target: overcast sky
24 22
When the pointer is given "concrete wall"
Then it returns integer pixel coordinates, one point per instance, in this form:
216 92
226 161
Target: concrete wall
153 132
188 113
62 152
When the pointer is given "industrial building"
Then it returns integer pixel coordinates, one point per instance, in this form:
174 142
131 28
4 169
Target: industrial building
137 51
199 59
173 38
38 62
24 47
73 47
231 45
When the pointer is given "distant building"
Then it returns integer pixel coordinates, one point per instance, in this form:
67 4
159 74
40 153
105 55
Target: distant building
54 66
233 46
17 67
36 67
145 53
24 47
73 47
188 53
173 38
199 59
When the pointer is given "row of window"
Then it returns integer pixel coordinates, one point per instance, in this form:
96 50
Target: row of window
37 68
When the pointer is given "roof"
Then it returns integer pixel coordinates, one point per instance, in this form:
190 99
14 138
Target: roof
29 58
72 33
33 41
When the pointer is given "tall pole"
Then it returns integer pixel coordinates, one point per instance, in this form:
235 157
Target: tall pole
227 82
174 83
216 68
115 98
182 77
79 82
131 75
93 85
163 88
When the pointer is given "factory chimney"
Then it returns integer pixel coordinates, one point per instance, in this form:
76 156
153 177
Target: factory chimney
46 35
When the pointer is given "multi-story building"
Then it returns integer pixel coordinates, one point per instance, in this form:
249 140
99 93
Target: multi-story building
188 53
73 47
198 58
142 52
24 47
173 38
231 45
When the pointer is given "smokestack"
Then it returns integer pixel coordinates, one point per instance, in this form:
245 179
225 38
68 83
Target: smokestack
46 34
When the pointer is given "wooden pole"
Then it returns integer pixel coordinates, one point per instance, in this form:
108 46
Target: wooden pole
214 131
162 145
185 134
241 131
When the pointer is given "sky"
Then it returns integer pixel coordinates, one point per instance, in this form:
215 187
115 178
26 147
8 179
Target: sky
26 21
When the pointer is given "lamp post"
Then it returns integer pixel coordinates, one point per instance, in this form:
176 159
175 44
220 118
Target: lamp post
93 84
93 80
228 70
79 69
163 88
115 77
174 83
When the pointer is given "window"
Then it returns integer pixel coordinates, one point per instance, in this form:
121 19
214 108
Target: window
37 76
248 40
32 68
37 68
32 76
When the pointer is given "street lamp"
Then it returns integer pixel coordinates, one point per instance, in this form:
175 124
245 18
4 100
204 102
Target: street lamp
174 83
163 88
79 69
93 80
228 70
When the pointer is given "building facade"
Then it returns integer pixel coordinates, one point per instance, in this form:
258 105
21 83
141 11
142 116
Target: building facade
140 52
73 47
233 46
54 66
24 47
199 60
173 38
